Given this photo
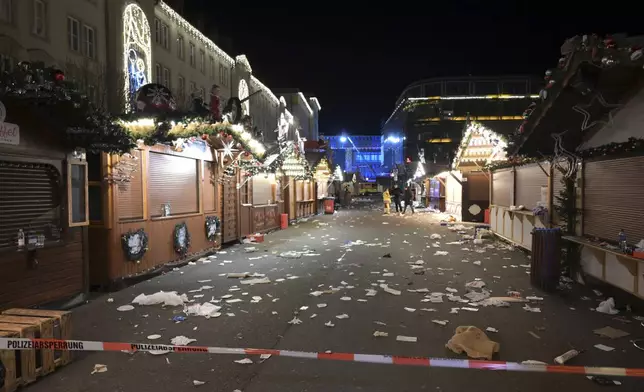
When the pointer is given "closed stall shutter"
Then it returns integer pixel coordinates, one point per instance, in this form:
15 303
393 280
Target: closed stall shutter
502 187
307 190
209 203
530 179
29 200
614 198
262 190
172 180
299 190
130 194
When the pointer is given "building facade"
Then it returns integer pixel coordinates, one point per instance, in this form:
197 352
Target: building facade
370 155
432 113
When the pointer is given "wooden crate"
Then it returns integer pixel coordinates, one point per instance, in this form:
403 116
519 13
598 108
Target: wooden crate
45 330
26 361
10 361
62 328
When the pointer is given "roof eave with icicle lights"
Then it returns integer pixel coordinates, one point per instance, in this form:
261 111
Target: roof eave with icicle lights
470 152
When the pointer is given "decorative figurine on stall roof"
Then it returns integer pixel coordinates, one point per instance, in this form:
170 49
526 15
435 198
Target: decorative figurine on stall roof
155 98
215 103
233 111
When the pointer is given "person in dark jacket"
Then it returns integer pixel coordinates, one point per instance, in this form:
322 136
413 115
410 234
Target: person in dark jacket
396 195
409 200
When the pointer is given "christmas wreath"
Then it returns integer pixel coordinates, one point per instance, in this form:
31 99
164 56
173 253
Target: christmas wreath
181 238
213 226
135 244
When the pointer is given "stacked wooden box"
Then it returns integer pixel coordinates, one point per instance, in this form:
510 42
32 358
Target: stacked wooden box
23 367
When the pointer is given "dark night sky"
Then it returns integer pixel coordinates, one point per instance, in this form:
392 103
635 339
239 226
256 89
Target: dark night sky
357 62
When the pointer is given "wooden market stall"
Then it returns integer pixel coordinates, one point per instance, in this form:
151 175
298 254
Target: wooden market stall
467 194
260 198
323 176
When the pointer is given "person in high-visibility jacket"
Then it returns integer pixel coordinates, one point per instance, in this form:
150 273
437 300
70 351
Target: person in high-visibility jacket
386 198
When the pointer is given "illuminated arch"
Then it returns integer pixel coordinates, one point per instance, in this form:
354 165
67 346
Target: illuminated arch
243 94
137 52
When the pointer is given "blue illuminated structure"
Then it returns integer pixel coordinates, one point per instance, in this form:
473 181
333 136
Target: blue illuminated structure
371 155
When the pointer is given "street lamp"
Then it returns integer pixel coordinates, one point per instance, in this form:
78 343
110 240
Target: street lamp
343 139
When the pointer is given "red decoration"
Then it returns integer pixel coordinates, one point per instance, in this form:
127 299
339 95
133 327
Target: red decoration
59 76
204 136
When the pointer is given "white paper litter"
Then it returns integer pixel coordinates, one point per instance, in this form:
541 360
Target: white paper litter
451 290
441 253
314 315
440 322
418 290
206 310
388 274
531 309
255 281
410 339
197 383
345 299
167 299
607 307
533 362
435 237
316 293
245 361
154 337
476 296
295 321
181 340
329 324
303 308
475 284
234 301
371 292
534 298
490 329
410 310
603 347
342 316
99 368
477 262
471 309
379 334
125 308
321 305
389 290
110 300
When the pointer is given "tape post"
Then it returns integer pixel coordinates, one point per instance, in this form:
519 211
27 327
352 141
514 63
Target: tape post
83 345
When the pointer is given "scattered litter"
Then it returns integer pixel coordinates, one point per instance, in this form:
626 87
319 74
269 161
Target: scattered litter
473 342
125 308
197 383
371 293
441 253
99 368
206 310
321 305
316 293
490 329
475 296
291 255
303 308
419 262
471 309
534 298
255 299
387 256
604 347
158 352
451 290
409 339
234 301
531 309
362 300
565 357
607 307
410 310
314 315
167 299
181 340
345 299
454 310
477 262
379 334
295 321
230 314
388 274
245 361
380 323
603 380
419 291
264 357
329 324
435 237
110 300
389 290
440 322
256 281
598 293
610 332
238 275
154 337
533 362
342 316
178 319
534 335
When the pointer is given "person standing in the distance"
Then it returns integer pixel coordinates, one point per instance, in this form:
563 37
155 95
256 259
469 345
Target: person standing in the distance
409 200
215 103
396 193
386 198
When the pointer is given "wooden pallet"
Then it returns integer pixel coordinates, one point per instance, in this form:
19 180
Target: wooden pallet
45 330
9 359
26 361
62 328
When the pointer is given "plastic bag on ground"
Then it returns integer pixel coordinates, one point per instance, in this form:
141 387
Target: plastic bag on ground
473 342
607 307
206 310
167 299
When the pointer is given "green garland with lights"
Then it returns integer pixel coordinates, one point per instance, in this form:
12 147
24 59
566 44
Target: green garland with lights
631 146
130 254
512 162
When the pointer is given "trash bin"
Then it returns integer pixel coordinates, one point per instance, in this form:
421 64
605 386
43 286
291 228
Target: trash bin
329 205
284 221
545 267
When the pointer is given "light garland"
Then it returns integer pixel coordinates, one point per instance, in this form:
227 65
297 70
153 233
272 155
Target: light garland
303 99
265 89
473 130
243 94
473 97
337 174
136 37
317 103
243 60
181 22
420 171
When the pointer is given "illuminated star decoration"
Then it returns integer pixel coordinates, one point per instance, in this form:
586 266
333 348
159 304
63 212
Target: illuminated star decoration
589 122
158 96
228 151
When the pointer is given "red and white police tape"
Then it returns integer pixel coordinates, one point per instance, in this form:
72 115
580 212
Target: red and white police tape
82 345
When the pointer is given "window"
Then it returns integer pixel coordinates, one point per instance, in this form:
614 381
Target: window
212 68
181 89
223 75
166 78
40 18
73 34
157 73
202 61
89 41
6 63
181 50
192 54
193 88
173 181
31 201
202 93
165 36
77 194
157 31
6 11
